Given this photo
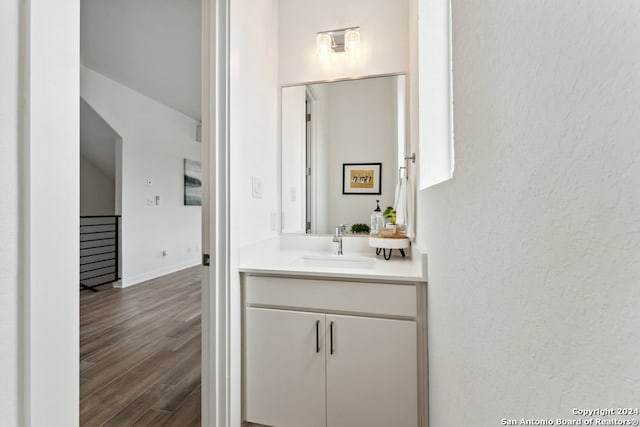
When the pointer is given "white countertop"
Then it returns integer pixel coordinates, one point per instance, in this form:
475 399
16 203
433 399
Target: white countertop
295 255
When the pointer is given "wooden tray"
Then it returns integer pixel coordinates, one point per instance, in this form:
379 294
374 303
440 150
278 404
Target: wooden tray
400 242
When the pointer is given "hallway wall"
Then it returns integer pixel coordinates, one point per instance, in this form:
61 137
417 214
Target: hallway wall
155 142
97 190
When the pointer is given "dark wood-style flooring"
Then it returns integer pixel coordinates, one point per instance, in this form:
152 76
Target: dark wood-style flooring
140 353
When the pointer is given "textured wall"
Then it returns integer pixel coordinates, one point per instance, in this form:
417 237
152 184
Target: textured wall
534 245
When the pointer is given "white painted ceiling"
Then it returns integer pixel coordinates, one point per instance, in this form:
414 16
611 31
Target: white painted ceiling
97 140
151 46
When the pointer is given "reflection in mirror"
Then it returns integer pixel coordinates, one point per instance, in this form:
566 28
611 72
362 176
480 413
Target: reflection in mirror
326 127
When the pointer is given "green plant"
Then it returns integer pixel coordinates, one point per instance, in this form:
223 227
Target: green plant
360 228
390 214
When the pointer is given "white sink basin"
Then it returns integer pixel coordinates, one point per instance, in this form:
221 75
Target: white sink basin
335 261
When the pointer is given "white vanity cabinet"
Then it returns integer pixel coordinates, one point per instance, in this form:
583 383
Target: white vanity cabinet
372 374
333 353
284 368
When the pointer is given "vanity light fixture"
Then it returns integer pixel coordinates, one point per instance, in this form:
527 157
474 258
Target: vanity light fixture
324 44
335 41
352 40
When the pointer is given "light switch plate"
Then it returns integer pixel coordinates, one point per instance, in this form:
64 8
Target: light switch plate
256 187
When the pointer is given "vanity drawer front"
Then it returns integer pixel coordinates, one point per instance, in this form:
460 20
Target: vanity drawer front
330 295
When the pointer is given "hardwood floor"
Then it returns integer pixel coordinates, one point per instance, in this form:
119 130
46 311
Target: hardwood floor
140 353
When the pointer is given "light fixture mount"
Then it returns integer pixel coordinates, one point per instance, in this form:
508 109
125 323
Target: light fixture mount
336 41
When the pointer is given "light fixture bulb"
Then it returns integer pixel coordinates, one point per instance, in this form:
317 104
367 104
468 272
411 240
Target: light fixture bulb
351 40
324 44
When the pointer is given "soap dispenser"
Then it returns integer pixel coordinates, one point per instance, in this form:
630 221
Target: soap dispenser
377 220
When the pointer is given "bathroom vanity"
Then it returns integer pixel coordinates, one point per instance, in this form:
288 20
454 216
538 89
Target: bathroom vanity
332 340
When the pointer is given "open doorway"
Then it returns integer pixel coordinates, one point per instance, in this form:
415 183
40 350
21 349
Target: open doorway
140 339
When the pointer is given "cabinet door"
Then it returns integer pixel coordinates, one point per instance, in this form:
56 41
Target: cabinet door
284 368
372 373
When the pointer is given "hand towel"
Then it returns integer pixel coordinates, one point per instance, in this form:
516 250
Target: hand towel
404 205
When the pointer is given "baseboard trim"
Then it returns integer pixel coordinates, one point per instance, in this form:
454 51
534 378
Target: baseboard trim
135 280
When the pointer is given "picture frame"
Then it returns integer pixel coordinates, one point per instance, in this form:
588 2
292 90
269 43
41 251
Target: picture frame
192 183
362 178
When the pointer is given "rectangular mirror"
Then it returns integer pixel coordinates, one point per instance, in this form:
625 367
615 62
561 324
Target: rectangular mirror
342 145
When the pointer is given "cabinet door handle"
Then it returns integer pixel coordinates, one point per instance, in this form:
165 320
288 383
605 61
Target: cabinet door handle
317 336
331 334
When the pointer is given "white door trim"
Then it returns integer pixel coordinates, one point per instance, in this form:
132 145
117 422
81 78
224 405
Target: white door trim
215 212
48 333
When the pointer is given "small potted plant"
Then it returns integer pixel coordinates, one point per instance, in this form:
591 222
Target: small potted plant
391 228
390 214
360 229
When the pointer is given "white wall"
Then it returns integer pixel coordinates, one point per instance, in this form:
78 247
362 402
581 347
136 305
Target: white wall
534 245
254 116
97 190
362 126
9 214
155 142
384 38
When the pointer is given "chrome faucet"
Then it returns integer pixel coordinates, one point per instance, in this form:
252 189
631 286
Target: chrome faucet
338 238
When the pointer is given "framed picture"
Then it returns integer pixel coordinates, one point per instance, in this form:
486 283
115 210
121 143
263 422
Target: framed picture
361 178
192 183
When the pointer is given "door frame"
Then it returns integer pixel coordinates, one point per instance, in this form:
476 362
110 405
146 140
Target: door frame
311 160
215 214
37 381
